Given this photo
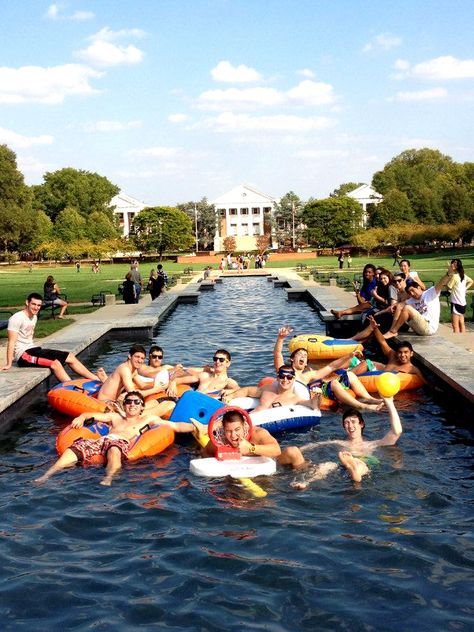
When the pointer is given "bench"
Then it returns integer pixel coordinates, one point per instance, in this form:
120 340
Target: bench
4 322
187 271
343 282
99 299
46 305
301 266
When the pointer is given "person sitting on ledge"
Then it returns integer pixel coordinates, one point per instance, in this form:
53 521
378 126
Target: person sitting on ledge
22 349
363 295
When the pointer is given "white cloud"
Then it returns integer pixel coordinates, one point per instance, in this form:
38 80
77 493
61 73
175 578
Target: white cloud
102 53
19 141
111 126
225 72
156 152
307 92
177 118
54 13
442 68
230 122
107 35
30 166
421 95
45 85
312 93
383 41
305 72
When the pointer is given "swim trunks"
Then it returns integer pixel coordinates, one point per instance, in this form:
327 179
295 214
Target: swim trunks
343 380
87 449
37 356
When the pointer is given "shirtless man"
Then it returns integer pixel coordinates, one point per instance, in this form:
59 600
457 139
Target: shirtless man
156 374
123 379
115 445
398 359
355 449
260 442
336 388
281 393
212 381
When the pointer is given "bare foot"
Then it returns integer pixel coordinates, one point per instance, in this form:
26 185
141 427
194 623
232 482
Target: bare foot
390 334
101 374
40 480
356 468
336 313
373 407
107 481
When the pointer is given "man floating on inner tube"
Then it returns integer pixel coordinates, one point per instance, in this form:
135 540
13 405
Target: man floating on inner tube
335 389
115 445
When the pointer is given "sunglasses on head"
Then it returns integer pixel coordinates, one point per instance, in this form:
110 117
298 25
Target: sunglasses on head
156 355
132 402
219 359
286 376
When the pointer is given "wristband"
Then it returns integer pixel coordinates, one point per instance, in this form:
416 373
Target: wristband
252 448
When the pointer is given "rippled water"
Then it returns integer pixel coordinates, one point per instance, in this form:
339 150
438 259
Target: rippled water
161 548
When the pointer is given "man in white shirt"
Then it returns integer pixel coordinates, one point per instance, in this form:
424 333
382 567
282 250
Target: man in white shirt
22 349
421 311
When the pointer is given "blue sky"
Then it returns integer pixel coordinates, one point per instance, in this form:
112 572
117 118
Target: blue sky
179 99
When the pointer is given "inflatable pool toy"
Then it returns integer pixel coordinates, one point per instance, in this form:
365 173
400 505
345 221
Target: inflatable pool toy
408 381
388 384
148 443
301 389
75 397
228 460
323 347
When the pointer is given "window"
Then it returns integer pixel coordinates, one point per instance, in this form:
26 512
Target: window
232 211
245 230
244 211
233 230
255 211
256 229
221 212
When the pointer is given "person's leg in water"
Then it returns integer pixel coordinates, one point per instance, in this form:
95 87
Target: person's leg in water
343 397
313 473
291 456
67 459
114 465
356 468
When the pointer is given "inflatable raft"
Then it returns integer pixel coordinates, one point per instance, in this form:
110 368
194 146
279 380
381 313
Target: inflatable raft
408 381
149 443
75 397
323 347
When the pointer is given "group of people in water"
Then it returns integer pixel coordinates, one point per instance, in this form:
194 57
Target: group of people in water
402 301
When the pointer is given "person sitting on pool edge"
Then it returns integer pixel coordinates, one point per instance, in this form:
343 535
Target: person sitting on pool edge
260 442
21 347
213 381
115 445
356 452
363 295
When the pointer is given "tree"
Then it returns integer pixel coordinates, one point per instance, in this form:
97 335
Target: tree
229 245
332 221
369 239
345 188
70 226
17 218
161 228
262 242
394 209
99 227
206 220
456 203
83 190
288 219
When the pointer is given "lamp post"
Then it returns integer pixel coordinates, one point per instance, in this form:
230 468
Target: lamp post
196 227
160 224
293 224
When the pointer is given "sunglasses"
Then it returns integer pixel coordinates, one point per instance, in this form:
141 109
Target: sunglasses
156 355
132 402
219 359
398 280
286 376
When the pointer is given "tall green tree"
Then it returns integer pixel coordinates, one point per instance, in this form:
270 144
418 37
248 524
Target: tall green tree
17 218
345 188
100 227
288 219
75 188
204 214
394 209
332 221
162 228
70 226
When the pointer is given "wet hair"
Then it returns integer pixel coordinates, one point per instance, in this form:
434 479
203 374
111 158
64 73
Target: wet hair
403 344
154 348
296 351
136 349
135 394
232 416
459 267
353 412
34 296
224 353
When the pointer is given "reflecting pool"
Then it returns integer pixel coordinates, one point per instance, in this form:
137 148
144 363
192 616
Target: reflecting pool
161 548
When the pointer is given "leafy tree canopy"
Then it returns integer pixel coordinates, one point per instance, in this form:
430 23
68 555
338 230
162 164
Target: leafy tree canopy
345 188
83 190
395 209
162 228
205 214
332 221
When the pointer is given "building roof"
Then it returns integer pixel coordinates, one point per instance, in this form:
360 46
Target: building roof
244 194
365 192
126 203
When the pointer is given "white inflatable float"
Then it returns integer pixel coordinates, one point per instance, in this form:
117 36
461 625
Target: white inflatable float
245 467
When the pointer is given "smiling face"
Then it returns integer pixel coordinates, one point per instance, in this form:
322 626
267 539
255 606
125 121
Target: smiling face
220 362
404 355
234 432
415 292
353 427
137 359
33 307
286 379
405 268
385 279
